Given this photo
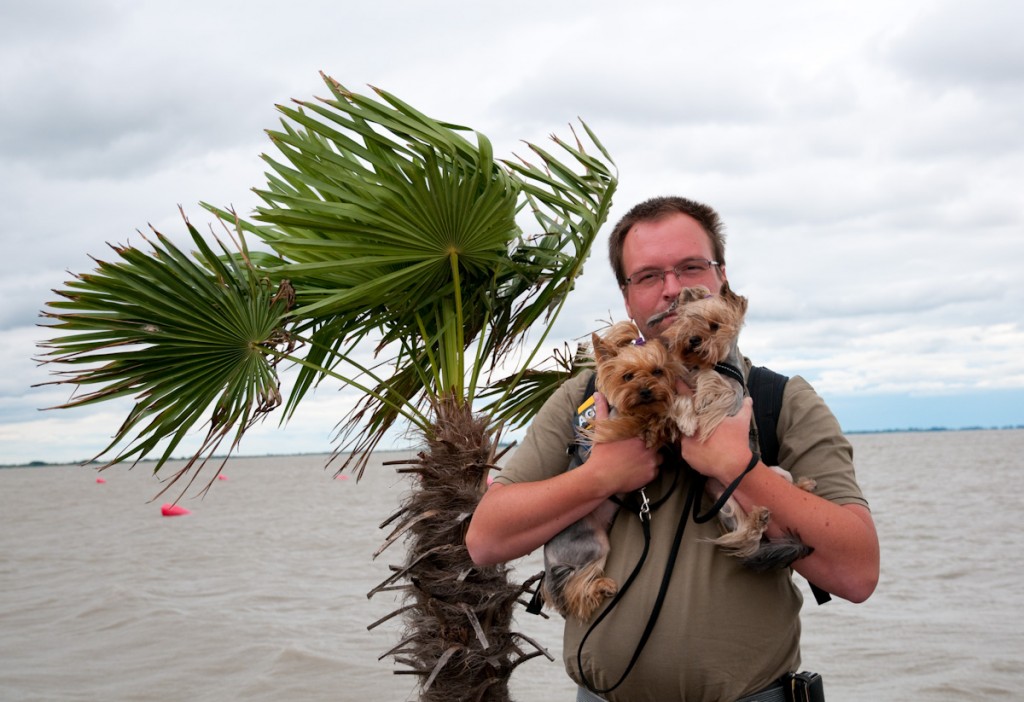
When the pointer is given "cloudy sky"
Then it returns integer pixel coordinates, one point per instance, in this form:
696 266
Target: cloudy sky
867 158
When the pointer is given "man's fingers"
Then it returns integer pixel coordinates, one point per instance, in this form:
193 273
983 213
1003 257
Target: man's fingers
600 406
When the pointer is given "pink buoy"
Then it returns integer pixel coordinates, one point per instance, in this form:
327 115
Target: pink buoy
169 510
101 480
222 477
341 477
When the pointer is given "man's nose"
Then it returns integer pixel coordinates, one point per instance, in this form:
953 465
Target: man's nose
673 284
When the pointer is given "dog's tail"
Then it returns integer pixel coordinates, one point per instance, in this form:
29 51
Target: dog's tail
776 553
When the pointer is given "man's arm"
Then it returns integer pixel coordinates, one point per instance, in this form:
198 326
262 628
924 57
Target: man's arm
513 520
845 561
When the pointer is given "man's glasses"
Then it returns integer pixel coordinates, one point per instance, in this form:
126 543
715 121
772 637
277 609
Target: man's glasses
690 269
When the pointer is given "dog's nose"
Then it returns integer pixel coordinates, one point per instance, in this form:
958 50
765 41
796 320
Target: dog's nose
646 394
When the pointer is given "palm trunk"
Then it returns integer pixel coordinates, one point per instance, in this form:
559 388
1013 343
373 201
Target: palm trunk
457 615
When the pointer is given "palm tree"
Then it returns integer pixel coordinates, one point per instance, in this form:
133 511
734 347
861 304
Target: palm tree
386 234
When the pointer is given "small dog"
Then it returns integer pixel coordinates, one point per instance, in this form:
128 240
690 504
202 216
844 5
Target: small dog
639 380
704 337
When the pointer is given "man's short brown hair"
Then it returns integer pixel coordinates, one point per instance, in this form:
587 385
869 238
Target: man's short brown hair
657 208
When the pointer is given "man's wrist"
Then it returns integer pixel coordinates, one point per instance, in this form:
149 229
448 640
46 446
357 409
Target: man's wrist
735 483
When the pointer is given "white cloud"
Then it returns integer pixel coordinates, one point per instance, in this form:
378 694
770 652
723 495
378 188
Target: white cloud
866 157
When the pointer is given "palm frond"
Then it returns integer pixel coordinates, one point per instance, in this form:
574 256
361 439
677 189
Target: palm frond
514 400
188 338
395 226
392 229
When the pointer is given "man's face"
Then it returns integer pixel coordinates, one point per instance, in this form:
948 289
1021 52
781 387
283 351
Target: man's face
660 246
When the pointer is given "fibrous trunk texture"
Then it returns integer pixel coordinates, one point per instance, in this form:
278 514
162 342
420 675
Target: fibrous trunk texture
457 615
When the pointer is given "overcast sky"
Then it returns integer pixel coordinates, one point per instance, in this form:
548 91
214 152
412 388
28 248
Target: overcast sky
867 158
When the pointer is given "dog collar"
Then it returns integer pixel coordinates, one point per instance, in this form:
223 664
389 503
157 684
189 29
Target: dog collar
731 371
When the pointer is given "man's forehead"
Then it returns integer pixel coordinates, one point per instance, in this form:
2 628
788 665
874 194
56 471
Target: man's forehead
678 240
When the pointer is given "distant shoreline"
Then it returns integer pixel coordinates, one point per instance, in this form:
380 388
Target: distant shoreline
44 464
920 430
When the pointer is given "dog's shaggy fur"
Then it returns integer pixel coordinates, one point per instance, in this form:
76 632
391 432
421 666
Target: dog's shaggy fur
639 381
638 378
704 334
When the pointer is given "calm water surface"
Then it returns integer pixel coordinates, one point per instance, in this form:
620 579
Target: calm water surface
260 593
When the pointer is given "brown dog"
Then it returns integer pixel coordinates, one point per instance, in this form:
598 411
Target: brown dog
639 380
704 336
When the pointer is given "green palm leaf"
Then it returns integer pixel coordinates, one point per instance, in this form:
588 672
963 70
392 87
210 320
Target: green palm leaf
397 232
189 339
397 227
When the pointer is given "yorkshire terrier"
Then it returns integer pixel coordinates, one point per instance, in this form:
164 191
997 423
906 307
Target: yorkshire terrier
638 378
704 337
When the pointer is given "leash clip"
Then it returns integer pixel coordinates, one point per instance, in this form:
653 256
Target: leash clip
645 506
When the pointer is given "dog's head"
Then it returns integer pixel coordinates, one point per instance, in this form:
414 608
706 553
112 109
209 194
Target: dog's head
636 379
706 326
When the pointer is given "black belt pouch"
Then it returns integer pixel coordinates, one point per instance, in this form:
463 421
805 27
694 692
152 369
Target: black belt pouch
804 687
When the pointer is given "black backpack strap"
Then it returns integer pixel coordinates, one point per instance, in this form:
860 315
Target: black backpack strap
766 388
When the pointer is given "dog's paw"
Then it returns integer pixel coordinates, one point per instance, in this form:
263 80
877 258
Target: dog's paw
597 592
804 483
583 602
759 518
807 484
684 415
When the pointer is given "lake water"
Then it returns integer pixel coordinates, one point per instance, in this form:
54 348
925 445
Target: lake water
260 593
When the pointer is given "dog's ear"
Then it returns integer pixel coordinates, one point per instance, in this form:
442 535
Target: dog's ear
736 301
621 334
602 351
697 292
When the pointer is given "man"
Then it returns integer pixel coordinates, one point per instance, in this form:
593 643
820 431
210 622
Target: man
723 631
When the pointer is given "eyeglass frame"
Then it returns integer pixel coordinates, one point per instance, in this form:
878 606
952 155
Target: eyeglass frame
662 273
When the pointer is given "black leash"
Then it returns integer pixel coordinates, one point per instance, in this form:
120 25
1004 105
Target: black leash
724 497
645 521
692 505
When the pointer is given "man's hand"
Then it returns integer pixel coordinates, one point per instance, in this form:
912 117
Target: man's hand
621 466
513 520
725 453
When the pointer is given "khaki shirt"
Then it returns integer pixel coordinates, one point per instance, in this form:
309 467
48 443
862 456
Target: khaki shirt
724 631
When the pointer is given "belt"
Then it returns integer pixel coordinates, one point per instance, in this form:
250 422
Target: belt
775 693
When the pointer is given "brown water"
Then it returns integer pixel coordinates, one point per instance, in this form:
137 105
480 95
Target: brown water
260 593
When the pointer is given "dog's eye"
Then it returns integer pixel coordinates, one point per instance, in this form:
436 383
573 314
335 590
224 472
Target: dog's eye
627 377
657 372
714 326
